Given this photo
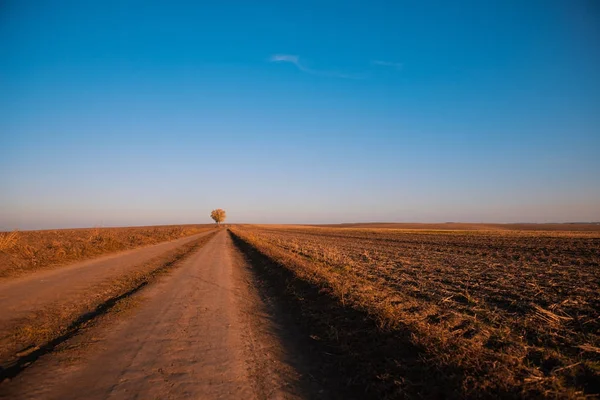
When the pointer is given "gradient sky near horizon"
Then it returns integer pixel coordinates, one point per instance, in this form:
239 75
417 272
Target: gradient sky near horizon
138 112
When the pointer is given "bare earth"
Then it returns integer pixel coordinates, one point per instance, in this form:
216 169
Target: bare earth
21 296
199 332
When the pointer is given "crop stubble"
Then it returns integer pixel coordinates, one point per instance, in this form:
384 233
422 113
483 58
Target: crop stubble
509 312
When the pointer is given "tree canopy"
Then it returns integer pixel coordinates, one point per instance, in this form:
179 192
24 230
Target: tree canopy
218 215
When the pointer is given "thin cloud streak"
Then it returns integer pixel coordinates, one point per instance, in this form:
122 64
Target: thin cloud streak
293 59
279 58
395 65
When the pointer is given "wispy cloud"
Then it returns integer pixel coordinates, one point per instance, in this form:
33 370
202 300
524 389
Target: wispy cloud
395 65
293 59
289 59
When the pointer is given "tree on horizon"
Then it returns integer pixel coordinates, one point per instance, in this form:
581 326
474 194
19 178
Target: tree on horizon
218 215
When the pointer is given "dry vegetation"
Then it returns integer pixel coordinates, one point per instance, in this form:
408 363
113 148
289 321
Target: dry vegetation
42 330
27 251
462 226
448 313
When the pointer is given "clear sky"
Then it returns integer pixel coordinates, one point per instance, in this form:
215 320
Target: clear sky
141 112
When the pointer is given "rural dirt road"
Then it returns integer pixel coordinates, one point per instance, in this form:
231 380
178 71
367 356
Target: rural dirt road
200 332
36 291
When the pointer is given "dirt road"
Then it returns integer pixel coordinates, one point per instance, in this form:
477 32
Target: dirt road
21 296
36 310
199 332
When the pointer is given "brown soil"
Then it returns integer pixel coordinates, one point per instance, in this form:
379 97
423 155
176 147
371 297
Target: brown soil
306 312
25 252
39 307
452 314
566 227
202 331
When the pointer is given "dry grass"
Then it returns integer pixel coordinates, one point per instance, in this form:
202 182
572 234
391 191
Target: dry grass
485 313
566 227
28 251
21 337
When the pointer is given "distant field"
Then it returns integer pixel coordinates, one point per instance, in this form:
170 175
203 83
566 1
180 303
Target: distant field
27 251
569 227
503 312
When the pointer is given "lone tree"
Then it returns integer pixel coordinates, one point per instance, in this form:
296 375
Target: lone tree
218 215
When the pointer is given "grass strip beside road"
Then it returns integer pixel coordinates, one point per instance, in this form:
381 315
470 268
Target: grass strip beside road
27 339
22 253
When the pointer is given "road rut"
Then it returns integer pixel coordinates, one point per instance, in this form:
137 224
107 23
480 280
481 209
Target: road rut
199 332
22 296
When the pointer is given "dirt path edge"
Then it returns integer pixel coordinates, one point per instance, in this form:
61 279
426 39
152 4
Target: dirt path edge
64 327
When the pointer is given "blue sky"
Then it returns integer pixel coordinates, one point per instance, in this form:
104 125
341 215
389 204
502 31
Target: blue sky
129 113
